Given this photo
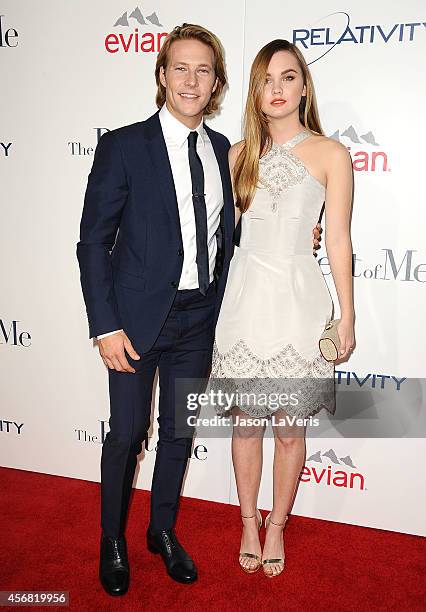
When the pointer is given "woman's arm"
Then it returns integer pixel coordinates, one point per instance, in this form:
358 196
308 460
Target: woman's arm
234 151
338 206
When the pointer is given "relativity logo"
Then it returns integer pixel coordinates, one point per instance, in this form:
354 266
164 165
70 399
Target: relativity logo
5 149
370 380
368 155
345 477
145 37
10 427
337 29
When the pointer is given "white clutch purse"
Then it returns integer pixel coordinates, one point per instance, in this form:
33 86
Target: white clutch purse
329 343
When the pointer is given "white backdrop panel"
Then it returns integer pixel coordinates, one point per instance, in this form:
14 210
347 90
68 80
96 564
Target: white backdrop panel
64 88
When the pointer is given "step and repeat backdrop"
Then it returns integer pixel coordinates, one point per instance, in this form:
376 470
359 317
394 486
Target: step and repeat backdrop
72 70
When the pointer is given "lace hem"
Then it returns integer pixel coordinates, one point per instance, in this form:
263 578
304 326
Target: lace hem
242 373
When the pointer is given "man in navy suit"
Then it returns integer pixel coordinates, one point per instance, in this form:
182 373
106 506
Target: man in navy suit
156 240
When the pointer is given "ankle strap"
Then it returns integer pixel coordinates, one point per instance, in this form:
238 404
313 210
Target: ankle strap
278 524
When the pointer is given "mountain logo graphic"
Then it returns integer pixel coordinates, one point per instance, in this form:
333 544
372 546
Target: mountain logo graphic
137 15
330 454
364 159
352 135
340 471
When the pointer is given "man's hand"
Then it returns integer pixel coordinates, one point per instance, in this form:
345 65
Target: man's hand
112 348
316 233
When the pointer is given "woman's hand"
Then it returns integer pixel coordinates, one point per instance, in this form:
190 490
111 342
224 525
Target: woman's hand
345 330
316 237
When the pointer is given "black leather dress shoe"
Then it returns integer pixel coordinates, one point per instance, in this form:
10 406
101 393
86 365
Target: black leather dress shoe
178 563
114 571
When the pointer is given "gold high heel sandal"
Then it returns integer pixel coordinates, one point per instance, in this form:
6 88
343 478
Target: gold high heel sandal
279 561
251 570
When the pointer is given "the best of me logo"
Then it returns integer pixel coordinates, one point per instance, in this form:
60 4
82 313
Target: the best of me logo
337 29
8 36
199 451
136 32
11 334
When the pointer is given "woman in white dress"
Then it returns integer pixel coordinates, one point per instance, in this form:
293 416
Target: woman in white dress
276 303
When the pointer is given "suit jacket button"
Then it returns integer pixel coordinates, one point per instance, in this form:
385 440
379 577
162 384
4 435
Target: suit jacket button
174 284
180 252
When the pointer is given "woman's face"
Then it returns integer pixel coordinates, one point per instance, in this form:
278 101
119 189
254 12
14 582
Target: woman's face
283 86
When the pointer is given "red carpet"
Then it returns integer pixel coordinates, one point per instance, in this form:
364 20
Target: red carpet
50 537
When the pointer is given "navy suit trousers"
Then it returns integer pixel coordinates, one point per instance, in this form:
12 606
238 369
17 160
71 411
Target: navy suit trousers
183 349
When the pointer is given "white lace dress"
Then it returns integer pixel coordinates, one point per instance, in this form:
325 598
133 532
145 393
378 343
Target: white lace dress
276 301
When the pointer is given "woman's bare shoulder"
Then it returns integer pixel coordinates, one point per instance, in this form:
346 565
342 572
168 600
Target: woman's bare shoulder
329 145
234 151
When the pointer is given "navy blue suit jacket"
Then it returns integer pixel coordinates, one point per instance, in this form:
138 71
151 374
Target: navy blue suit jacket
130 250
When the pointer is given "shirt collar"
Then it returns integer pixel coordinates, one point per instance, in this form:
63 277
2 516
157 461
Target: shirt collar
177 131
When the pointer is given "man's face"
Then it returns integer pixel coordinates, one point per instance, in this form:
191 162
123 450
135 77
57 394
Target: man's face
189 79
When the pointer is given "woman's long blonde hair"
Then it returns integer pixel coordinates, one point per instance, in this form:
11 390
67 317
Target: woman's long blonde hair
256 133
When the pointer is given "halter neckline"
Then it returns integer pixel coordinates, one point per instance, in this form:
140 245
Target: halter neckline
292 142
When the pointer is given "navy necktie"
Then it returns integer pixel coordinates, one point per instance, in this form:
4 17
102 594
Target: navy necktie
200 212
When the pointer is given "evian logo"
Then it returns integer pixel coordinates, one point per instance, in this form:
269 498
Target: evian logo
365 159
328 475
135 41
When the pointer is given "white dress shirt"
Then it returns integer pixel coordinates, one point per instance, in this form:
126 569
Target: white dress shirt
176 136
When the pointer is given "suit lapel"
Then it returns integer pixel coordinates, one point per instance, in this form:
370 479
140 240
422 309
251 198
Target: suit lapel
160 160
157 150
